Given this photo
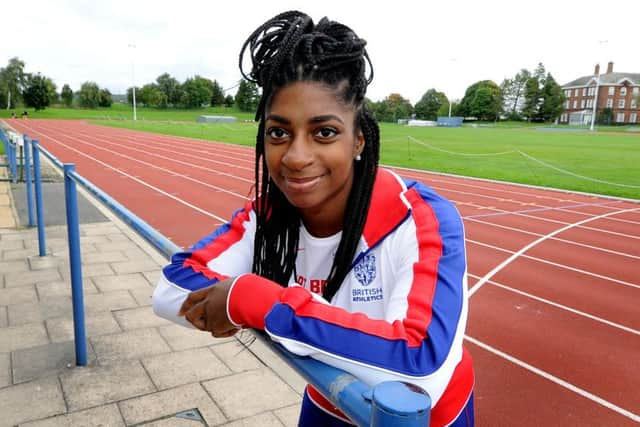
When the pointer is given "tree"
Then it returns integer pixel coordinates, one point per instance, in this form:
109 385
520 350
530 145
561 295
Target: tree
430 104
105 98
151 96
67 95
89 95
393 108
12 82
532 98
513 94
229 101
217 96
38 91
170 87
247 96
196 92
130 95
552 99
482 100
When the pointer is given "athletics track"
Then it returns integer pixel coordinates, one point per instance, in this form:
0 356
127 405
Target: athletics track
554 277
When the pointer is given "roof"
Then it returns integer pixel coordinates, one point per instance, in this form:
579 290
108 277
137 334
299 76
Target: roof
606 79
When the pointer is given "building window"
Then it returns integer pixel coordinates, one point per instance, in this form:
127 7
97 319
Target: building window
589 103
566 105
634 104
582 104
563 118
592 90
636 90
623 91
620 118
575 103
584 91
609 102
632 118
612 90
568 93
621 103
576 92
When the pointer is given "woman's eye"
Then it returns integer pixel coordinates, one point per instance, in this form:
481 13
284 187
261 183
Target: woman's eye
327 133
276 133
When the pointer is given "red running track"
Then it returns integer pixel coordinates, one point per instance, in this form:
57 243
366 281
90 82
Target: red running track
554 325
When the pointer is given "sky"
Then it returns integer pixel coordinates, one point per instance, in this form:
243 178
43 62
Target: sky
414 45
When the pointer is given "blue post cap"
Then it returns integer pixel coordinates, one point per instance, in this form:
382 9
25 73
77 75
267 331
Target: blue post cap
401 398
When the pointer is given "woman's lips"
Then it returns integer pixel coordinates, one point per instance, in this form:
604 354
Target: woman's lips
301 184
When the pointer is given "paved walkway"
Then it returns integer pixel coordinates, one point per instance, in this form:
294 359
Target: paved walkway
142 370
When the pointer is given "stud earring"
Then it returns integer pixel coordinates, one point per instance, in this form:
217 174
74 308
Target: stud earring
358 158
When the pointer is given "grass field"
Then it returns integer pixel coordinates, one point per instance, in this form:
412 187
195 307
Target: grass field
602 162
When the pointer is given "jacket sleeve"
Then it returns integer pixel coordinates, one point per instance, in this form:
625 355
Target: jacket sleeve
420 338
227 252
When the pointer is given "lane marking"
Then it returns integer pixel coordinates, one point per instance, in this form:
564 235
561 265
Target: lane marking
571 242
542 209
561 306
556 380
562 266
509 260
171 196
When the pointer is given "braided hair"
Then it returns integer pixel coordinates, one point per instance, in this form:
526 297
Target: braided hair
283 50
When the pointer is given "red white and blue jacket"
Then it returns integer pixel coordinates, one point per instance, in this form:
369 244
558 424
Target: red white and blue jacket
400 314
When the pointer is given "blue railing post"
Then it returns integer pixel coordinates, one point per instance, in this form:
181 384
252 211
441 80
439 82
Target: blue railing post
27 168
39 207
75 261
395 403
12 162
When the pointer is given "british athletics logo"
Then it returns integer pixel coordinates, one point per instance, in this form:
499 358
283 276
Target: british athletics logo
365 270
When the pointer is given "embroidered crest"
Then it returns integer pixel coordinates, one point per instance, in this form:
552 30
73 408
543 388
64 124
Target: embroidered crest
365 270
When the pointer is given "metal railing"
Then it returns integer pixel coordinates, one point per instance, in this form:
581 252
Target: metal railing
391 403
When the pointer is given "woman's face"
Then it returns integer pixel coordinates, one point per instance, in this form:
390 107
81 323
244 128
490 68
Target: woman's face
310 146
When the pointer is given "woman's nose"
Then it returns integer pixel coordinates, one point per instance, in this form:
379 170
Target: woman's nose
299 154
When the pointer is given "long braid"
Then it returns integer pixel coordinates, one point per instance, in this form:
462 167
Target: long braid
289 48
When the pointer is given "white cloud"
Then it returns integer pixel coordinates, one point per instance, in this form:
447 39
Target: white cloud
414 45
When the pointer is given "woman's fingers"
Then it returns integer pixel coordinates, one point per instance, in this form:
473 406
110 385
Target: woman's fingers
197 316
192 299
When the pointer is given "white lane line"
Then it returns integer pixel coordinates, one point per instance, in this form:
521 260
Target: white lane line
556 380
171 196
555 264
561 306
151 165
571 242
509 260
171 159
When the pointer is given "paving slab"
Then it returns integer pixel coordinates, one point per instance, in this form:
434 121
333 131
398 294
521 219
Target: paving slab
46 392
236 356
181 338
96 324
289 416
25 336
5 369
250 393
4 319
49 359
184 367
138 318
60 288
22 314
86 387
168 402
108 301
111 349
116 282
18 265
266 419
23 294
101 416
31 277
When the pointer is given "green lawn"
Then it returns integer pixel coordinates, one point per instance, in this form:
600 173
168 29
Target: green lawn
602 162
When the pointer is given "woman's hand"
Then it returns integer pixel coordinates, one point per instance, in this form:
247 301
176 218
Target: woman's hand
206 309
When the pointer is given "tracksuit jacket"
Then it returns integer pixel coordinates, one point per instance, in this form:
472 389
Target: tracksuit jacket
400 313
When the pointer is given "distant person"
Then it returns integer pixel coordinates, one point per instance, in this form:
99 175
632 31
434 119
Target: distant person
25 114
335 259
13 114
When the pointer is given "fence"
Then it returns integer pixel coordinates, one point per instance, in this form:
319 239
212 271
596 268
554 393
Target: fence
391 403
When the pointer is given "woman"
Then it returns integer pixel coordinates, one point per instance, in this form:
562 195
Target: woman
335 259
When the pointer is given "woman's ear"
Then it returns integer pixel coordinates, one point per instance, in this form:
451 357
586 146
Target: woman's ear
359 146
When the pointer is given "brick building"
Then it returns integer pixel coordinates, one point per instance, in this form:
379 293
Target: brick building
618 91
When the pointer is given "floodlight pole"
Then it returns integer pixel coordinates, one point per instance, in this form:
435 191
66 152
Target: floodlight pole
133 79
